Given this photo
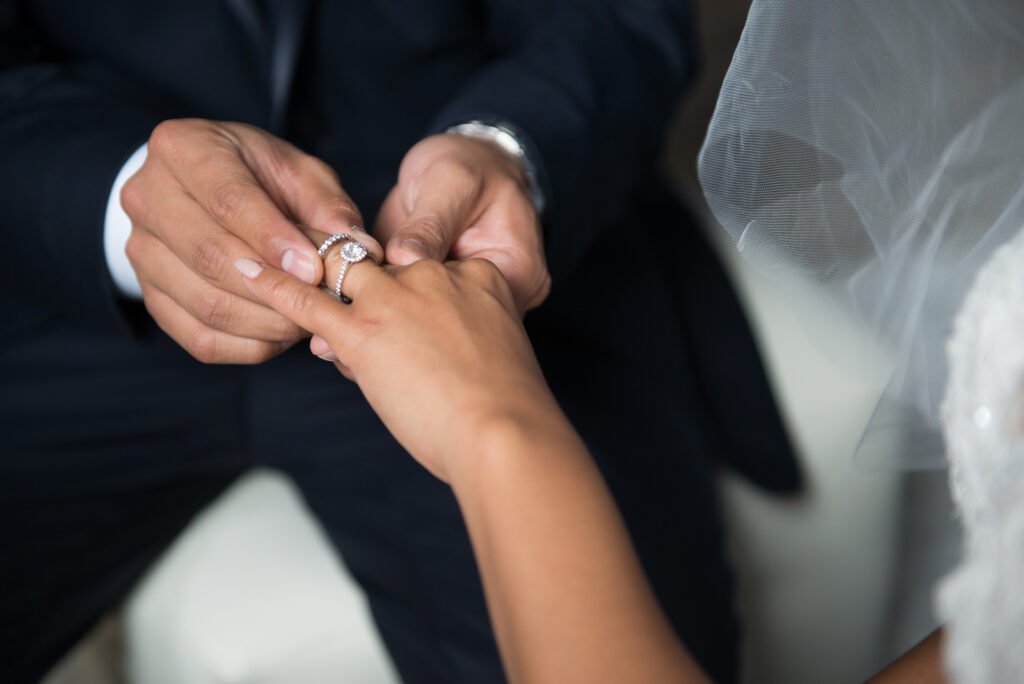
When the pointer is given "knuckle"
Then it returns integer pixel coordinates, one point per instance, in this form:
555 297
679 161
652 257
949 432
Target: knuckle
545 287
318 167
133 248
429 226
133 197
293 299
213 309
463 179
166 138
428 269
209 257
337 208
485 272
262 354
227 199
202 345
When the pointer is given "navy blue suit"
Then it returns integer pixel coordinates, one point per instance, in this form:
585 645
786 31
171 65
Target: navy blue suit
113 437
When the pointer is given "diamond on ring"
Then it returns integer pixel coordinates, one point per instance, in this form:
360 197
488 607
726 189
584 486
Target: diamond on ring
351 252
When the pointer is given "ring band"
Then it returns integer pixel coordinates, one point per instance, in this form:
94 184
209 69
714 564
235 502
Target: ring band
326 244
352 252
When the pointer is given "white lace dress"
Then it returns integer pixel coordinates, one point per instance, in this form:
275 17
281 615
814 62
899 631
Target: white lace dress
982 600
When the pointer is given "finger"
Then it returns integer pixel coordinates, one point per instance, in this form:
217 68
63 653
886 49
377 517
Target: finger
204 343
210 305
440 202
390 217
488 275
345 370
211 169
528 277
307 186
333 261
307 306
195 239
508 235
320 348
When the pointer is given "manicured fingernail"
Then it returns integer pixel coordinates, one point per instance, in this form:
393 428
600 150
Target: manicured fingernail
298 265
416 247
329 356
248 267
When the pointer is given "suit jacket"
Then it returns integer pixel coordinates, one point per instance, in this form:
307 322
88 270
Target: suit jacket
647 334
590 84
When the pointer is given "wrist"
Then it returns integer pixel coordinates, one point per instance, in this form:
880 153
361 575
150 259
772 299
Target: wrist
510 141
503 443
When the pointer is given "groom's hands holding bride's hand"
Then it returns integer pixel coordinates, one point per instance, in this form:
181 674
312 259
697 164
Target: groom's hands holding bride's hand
462 198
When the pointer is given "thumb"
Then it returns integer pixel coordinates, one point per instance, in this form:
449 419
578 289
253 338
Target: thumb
438 211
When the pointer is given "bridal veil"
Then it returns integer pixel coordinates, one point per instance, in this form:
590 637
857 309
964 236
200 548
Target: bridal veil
873 150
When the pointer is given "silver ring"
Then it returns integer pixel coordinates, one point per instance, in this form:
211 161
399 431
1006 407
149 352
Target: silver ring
326 244
352 252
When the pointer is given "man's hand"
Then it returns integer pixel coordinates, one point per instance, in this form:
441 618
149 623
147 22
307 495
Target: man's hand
208 194
461 198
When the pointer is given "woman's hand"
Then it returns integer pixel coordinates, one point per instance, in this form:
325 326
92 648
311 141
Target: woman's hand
440 353
437 349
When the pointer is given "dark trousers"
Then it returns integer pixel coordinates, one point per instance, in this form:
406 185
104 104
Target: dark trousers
110 445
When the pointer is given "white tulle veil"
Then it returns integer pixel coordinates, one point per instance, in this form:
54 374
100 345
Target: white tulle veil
873 151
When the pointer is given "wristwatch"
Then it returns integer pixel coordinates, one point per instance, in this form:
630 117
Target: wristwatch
505 138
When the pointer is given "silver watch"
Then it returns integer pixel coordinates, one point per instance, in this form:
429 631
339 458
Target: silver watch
506 139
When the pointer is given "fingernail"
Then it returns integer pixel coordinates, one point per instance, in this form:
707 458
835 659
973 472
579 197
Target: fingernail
299 265
416 247
248 267
329 356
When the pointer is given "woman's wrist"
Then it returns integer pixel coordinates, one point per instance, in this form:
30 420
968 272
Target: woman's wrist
505 440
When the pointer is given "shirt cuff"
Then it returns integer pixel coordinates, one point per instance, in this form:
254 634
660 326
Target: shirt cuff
117 227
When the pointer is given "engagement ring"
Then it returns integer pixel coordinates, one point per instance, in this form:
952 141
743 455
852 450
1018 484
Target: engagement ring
351 252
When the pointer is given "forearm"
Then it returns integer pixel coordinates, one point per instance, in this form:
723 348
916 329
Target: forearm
567 595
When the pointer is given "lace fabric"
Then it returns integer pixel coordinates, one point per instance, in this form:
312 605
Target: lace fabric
982 600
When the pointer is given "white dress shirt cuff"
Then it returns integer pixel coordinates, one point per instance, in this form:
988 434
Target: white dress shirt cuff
117 227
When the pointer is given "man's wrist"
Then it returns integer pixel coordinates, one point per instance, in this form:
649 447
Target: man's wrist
510 141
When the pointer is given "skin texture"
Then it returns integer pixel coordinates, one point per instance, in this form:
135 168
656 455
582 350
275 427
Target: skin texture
212 192
561 577
441 355
208 194
460 198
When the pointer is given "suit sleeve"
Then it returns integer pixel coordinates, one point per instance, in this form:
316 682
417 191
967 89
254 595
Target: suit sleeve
64 137
590 84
